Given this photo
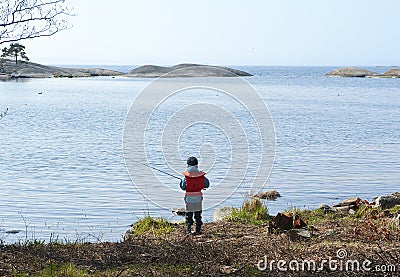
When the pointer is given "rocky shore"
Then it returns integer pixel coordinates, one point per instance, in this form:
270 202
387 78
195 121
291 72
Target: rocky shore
353 238
11 70
363 73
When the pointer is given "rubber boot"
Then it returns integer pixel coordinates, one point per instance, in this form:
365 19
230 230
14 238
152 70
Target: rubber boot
198 230
188 229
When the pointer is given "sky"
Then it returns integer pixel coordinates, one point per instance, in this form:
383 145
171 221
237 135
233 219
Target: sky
223 32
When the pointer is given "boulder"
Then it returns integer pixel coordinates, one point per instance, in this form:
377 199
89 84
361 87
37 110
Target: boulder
270 195
326 208
222 213
387 201
348 204
351 72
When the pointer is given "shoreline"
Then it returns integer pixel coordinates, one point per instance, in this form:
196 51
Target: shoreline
369 236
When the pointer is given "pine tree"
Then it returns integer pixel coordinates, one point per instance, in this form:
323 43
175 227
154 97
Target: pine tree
15 50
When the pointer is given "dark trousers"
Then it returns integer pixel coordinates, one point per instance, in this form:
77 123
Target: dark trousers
197 217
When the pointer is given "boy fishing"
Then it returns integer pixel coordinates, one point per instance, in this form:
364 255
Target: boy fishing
193 183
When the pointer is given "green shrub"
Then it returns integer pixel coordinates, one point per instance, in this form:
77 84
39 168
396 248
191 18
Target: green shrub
149 225
252 212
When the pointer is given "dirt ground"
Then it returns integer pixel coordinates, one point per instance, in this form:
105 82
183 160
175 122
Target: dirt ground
338 247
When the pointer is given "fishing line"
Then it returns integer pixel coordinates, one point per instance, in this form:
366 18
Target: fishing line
158 170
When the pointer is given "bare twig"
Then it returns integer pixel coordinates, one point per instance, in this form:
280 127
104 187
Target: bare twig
26 19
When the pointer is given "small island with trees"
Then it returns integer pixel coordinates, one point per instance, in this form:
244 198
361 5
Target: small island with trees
20 67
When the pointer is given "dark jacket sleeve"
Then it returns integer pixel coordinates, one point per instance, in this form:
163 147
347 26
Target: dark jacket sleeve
183 184
206 183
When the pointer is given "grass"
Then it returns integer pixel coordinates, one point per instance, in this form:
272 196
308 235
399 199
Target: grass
395 209
72 270
252 212
67 270
153 226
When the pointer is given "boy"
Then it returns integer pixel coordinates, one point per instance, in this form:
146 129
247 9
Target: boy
193 184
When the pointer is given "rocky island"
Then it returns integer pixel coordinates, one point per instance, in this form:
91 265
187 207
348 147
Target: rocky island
10 69
185 70
363 73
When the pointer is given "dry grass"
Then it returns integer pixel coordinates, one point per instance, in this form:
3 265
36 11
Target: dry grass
224 248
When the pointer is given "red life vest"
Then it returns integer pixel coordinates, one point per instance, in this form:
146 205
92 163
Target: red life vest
194 181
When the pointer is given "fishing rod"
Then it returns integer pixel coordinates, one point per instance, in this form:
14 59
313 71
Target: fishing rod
158 170
2 115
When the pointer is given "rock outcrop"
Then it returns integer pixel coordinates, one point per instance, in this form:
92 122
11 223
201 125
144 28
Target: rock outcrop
351 72
392 73
363 73
10 69
185 70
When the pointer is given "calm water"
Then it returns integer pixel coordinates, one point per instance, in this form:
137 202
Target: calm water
63 174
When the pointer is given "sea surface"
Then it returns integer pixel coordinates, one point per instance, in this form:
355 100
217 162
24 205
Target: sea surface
62 169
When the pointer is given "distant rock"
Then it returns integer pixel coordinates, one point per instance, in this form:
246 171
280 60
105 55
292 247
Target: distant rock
9 69
351 72
392 73
363 73
185 70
